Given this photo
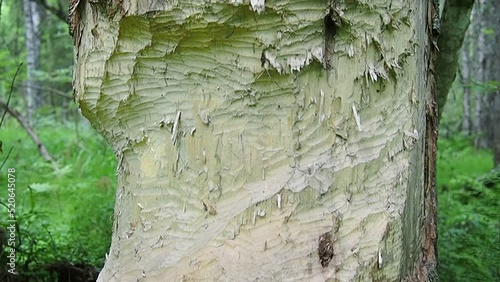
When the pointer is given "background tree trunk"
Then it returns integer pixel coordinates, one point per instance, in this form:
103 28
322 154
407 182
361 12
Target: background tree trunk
487 76
288 141
466 86
479 103
496 127
485 64
455 22
494 80
32 19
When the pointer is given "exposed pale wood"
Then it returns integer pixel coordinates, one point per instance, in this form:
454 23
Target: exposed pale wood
243 148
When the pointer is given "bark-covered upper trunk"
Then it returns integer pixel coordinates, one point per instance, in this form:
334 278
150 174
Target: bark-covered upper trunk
270 140
455 22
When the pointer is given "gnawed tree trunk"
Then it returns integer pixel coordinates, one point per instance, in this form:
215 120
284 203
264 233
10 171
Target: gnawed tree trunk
269 141
32 20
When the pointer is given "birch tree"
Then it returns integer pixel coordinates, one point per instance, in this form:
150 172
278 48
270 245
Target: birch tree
32 20
264 140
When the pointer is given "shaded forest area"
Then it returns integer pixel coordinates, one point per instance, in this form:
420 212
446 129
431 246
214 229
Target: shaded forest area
65 172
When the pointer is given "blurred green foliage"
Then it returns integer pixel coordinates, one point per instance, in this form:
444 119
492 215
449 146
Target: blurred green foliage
469 214
56 55
64 214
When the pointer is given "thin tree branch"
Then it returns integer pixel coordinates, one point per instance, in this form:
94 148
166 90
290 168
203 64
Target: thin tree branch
50 90
10 93
5 112
7 157
56 11
39 145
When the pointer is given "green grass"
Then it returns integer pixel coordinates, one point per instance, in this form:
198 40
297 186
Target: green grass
65 214
468 215
457 157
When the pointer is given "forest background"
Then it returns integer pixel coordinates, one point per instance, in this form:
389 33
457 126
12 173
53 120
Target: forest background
66 172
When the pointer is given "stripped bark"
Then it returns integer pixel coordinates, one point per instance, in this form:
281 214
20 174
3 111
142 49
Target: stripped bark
265 140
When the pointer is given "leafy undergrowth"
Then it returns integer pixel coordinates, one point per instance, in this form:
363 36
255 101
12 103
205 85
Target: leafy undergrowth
64 214
468 226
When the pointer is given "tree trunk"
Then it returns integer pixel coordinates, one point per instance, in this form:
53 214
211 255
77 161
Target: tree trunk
266 141
455 22
466 85
494 79
488 72
32 20
479 103
474 54
484 49
495 126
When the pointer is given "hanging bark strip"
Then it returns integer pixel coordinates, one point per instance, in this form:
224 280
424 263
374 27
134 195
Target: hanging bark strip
332 23
74 15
